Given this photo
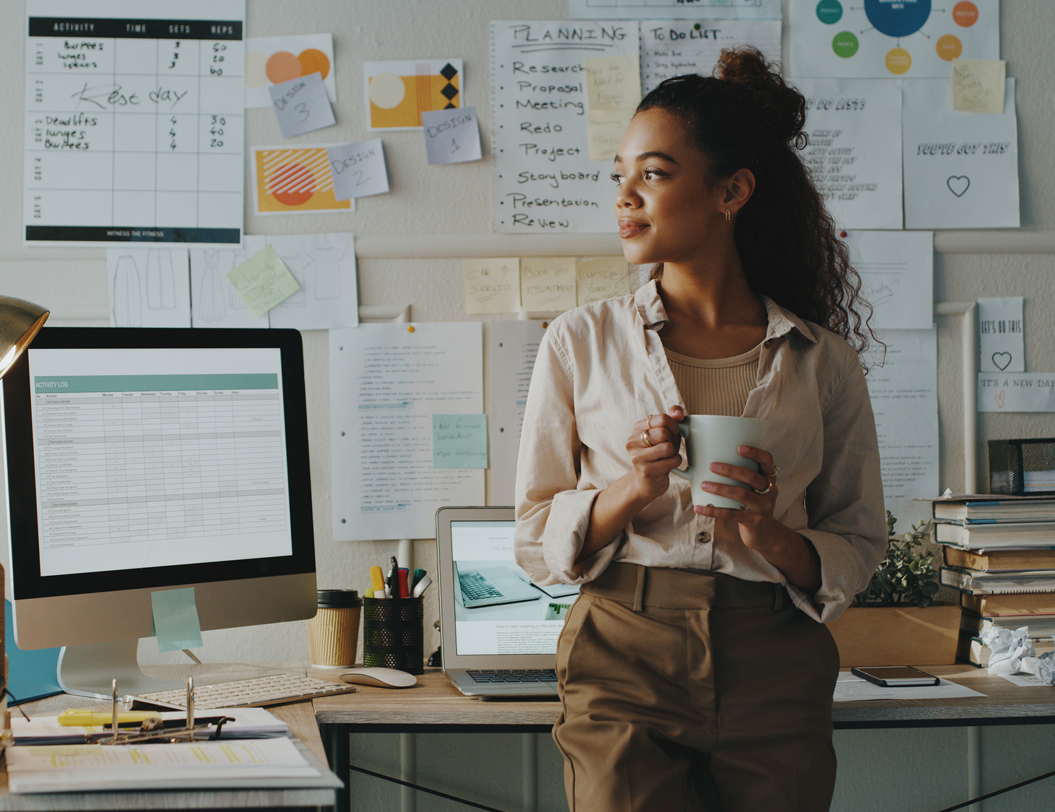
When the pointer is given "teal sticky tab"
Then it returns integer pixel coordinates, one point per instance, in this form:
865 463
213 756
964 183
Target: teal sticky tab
459 441
176 623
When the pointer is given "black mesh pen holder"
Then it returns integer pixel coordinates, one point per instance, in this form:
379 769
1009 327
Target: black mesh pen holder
1022 467
394 634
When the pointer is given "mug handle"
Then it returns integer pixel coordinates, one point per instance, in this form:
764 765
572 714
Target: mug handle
688 473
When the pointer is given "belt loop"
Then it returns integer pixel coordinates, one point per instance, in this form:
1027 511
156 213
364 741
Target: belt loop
778 597
639 592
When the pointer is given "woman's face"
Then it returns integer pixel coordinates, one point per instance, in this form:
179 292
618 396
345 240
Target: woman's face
667 205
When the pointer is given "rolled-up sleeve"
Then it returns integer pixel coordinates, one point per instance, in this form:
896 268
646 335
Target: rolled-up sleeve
552 514
847 520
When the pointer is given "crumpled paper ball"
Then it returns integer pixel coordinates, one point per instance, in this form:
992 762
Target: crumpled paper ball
1008 649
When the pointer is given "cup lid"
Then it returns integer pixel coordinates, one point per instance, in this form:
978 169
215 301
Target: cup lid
339 598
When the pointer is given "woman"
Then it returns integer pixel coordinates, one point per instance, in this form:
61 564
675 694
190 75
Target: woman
688 678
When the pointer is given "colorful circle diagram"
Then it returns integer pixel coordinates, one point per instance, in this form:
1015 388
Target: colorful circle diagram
281 66
897 19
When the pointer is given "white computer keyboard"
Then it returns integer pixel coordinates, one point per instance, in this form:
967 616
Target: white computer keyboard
256 692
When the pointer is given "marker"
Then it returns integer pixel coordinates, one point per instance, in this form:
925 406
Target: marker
421 586
404 582
377 579
418 575
87 718
393 579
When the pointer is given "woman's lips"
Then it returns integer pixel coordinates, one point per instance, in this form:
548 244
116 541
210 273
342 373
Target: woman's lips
628 228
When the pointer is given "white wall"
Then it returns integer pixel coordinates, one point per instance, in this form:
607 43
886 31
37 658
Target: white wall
410 243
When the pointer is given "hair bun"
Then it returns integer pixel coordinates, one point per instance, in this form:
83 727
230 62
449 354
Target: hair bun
776 106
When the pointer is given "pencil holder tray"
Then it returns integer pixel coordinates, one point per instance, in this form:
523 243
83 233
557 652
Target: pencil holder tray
394 634
1022 467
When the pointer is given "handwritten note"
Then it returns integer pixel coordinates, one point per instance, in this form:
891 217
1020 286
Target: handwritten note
176 623
1000 335
301 105
263 281
459 441
978 85
601 278
613 89
451 136
492 285
358 169
547 283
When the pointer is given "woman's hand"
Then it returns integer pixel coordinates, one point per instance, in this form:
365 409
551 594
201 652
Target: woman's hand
653 448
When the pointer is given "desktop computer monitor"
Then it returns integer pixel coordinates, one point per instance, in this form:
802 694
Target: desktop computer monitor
143 460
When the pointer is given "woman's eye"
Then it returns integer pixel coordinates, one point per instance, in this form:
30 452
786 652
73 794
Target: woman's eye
617 178
652 174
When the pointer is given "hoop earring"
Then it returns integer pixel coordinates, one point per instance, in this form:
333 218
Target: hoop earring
728 216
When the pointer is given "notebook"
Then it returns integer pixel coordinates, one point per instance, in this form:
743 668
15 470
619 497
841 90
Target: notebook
498 631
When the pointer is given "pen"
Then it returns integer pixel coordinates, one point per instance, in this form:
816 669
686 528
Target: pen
393 579
421 586
404 582
86 718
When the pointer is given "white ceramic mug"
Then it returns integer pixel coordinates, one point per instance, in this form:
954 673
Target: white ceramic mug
711 438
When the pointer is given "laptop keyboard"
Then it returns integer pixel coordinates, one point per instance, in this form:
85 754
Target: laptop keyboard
519 675
475 587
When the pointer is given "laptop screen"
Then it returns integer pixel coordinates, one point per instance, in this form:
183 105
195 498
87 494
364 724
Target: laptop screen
497 610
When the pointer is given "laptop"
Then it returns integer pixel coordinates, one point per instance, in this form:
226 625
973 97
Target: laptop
498 631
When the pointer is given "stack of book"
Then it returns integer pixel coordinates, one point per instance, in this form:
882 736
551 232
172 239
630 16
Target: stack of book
999 552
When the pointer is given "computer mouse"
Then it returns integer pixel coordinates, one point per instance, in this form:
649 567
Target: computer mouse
379 677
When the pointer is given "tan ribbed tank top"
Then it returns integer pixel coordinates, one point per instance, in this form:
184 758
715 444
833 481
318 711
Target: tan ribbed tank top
716 386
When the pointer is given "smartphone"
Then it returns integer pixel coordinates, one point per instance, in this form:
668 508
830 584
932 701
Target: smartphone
894 676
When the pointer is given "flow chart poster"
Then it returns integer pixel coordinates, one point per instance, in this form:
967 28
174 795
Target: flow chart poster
544 181
961 169
134 122
884 39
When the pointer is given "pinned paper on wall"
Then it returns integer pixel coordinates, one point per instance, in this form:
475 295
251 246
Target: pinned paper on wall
149 287
613 89
1016 392
978 85
263 281
459 441
492 285
325 269
601 278
176 623
680 9
301 105
273 60
294 180
451 136
358 169
1000 334
547 284
398 91
897 276
214 301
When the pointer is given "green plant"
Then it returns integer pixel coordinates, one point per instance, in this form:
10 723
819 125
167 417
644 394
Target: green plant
906 575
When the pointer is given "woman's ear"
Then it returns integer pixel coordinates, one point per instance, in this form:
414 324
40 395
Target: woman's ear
738 189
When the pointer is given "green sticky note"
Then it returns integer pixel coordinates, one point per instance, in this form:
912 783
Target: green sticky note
176 623
459 441
263 281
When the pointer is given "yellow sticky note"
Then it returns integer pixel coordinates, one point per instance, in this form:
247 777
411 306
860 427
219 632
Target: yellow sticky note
602 278
978 85
492 285
605 129
263 281
547 284
613 82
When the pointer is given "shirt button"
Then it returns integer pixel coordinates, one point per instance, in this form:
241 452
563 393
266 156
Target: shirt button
703 537
767 343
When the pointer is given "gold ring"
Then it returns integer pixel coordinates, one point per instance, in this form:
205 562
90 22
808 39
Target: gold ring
769 487
645 440
650 420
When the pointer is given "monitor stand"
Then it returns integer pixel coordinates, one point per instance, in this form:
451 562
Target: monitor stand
90 670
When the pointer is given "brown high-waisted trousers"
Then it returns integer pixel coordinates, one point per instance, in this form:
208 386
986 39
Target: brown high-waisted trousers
687 691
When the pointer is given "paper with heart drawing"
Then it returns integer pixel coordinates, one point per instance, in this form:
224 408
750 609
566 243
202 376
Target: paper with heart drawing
960 169
1016 392
1001 347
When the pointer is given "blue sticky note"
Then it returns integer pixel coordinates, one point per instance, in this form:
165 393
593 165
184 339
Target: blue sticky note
176 623
32 673
459 441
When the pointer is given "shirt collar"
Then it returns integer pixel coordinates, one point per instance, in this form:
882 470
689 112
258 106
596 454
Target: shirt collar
653 315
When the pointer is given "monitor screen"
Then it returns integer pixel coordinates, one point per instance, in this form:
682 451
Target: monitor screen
141 460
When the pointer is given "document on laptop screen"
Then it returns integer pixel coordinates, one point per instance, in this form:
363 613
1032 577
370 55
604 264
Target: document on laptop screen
497 610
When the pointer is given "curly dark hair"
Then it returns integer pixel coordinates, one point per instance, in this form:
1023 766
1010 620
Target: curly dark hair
747 116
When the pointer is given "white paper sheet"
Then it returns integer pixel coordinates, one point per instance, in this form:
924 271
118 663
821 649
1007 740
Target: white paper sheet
850 688
324 266
905 402
358 169
286 57
511 349
214 301
451 136
131 135
897 276
888 39
149 287
961 169
675 47
544 181
386 382
1001 346
301 105
1016 392
655 9
854 161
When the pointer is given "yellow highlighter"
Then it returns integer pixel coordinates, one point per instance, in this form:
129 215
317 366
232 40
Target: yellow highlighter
377 581
87 718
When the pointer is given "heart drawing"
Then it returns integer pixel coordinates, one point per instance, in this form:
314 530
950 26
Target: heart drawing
958 184
1000 399
1001 360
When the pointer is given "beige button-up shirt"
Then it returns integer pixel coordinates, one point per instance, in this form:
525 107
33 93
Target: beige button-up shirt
602 367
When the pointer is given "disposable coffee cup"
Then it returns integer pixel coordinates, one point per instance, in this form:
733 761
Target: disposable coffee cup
334 631
713 438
